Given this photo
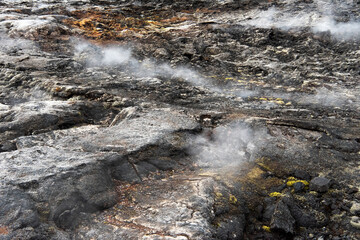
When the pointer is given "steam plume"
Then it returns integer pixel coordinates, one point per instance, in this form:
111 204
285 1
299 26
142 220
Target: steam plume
320 16
116 56
229 146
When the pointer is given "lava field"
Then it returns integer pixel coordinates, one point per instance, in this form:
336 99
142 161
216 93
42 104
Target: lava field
179 120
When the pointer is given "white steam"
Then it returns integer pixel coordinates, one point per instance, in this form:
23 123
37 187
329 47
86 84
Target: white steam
116 56
345 30
102 56
336 97
12 43
37 94
121 57
274 18
228 147
113 56
320 16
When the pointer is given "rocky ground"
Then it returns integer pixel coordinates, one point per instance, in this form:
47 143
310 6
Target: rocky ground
179 120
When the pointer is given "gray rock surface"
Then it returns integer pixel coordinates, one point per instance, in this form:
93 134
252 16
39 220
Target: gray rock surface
69 171
152 216
320 184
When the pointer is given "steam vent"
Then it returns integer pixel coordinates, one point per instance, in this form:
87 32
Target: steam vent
179 120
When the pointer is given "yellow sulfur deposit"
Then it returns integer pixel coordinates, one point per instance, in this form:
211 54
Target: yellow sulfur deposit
291 181
218 195
275 194
266 228
232 199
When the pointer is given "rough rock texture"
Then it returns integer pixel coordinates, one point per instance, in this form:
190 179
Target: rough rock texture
71 171
152 216
198 119
282 219
320 184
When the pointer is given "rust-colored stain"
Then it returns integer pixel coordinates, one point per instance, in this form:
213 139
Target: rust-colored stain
127 207
124 191
4 231
118 223
104 25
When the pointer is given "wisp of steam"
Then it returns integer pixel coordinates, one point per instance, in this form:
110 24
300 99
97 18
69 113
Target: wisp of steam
10 44
228 147
336 97
117 56
319 16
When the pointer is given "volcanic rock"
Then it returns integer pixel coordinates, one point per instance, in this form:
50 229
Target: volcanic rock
320 184
177 120
282 219
301 174
298 186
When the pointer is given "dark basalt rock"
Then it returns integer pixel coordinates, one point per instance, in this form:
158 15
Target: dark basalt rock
17 210
231 228
298 186
281 218
301 174
320 184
